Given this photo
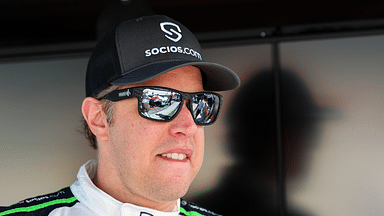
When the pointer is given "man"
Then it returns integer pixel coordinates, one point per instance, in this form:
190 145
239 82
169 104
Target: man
148 151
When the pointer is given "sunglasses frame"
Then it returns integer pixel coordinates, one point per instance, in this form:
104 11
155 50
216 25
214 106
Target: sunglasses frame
137 92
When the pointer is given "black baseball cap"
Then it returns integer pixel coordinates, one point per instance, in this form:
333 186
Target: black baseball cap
144 48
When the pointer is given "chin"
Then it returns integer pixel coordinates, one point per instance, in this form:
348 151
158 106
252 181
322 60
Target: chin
172 193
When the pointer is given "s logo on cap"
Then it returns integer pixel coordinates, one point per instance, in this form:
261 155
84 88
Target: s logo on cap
171 33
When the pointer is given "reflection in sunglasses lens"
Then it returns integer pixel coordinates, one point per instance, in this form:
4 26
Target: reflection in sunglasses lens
159 104
203 107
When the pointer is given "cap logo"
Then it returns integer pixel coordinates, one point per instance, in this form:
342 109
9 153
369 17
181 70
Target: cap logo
174 32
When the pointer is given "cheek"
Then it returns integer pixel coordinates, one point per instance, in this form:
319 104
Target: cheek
138 137
199 141
147 132
200 138
125 131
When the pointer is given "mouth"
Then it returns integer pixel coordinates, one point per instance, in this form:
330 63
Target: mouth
174 156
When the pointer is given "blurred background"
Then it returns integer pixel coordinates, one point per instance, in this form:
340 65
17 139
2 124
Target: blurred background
303 135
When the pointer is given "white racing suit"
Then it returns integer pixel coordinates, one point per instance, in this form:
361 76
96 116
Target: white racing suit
83 198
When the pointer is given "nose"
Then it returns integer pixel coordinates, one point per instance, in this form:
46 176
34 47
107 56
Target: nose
183 124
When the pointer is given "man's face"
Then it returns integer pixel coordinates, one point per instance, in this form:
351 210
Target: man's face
136 145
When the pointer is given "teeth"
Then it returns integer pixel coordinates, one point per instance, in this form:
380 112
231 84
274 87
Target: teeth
175 156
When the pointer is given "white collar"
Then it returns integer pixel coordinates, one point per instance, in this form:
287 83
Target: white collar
101 203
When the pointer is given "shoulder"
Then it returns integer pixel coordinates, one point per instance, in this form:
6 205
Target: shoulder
41 205
191 209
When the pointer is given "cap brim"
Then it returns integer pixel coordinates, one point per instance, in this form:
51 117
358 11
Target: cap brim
216 77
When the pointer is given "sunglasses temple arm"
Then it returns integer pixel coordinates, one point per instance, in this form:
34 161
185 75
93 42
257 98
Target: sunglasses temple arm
119 95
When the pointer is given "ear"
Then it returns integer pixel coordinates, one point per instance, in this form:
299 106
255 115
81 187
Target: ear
93 113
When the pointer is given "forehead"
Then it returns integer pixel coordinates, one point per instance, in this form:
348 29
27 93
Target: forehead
186 79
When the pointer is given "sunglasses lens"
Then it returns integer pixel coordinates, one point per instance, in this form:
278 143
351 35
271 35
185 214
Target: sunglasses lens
205 108
164 104
159 104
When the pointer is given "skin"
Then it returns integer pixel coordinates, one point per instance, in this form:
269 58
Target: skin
131 168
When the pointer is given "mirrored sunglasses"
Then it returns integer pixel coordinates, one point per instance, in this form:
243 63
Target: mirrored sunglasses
163 104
